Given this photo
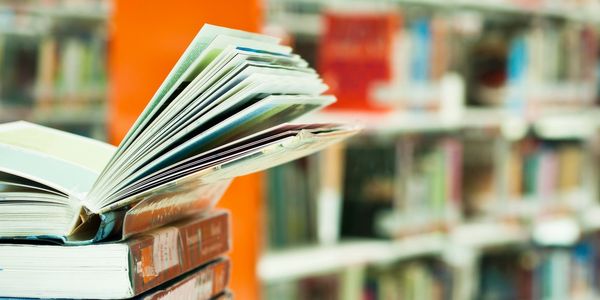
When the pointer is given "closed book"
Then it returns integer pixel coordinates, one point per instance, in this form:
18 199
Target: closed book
355 52
571 162
370 172
207 282
113 270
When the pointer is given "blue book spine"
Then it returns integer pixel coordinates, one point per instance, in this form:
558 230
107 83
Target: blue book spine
421 52
517 62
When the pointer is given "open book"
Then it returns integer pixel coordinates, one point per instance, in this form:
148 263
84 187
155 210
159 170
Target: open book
222 112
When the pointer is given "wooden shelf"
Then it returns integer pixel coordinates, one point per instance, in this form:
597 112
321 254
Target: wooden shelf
301 262
578 123
565 12
382 123
283 265
321 259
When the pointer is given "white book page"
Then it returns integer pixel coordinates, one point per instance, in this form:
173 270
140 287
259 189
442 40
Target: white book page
209 42
290 149
13 180
254 85
197 69
190 118
215 156
169 119
69 178
10 187
229 68
145 137
272 82
267 113
203 39
84 152
223 42
286 150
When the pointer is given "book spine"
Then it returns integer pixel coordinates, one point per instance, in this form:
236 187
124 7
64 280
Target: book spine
355 52
164 208
440 51
162 255
208 282
421 32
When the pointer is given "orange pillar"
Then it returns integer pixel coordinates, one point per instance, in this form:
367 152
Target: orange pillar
147 38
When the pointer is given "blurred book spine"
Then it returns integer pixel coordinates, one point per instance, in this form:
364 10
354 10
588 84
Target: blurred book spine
327 286
291 204
536 67
541 273
53 63
356 51
402 188
524 178
418 279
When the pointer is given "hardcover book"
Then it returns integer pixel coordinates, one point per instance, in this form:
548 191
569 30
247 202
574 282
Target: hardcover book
222 112
116 270
208 282
356 52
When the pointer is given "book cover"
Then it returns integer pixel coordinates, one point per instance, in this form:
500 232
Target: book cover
204 283
356 51
480 182
368 187
174 250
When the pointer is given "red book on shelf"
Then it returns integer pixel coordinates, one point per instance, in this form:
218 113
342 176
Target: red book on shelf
356 51
527 4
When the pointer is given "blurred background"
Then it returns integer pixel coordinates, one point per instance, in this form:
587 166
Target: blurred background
476 176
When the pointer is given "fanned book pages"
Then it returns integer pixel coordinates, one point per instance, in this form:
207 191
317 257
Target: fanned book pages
223 111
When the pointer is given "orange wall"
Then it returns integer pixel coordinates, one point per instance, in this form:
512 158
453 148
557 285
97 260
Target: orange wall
147 38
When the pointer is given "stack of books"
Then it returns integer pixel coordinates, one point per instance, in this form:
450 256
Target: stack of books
83 219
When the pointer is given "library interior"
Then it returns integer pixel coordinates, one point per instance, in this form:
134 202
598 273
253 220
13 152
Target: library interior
475 173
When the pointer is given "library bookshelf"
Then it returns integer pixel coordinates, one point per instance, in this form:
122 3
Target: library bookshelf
47 76
461 244
482 216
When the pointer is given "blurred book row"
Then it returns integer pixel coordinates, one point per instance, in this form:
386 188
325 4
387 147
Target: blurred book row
519 68
527 272
304 16
410 184
419 279
476 176
440 195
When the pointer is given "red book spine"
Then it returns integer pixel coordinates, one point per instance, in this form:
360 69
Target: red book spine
159 256
207 282
355 52
158 209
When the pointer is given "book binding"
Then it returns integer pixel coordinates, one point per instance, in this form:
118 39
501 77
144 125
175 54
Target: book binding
175 250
